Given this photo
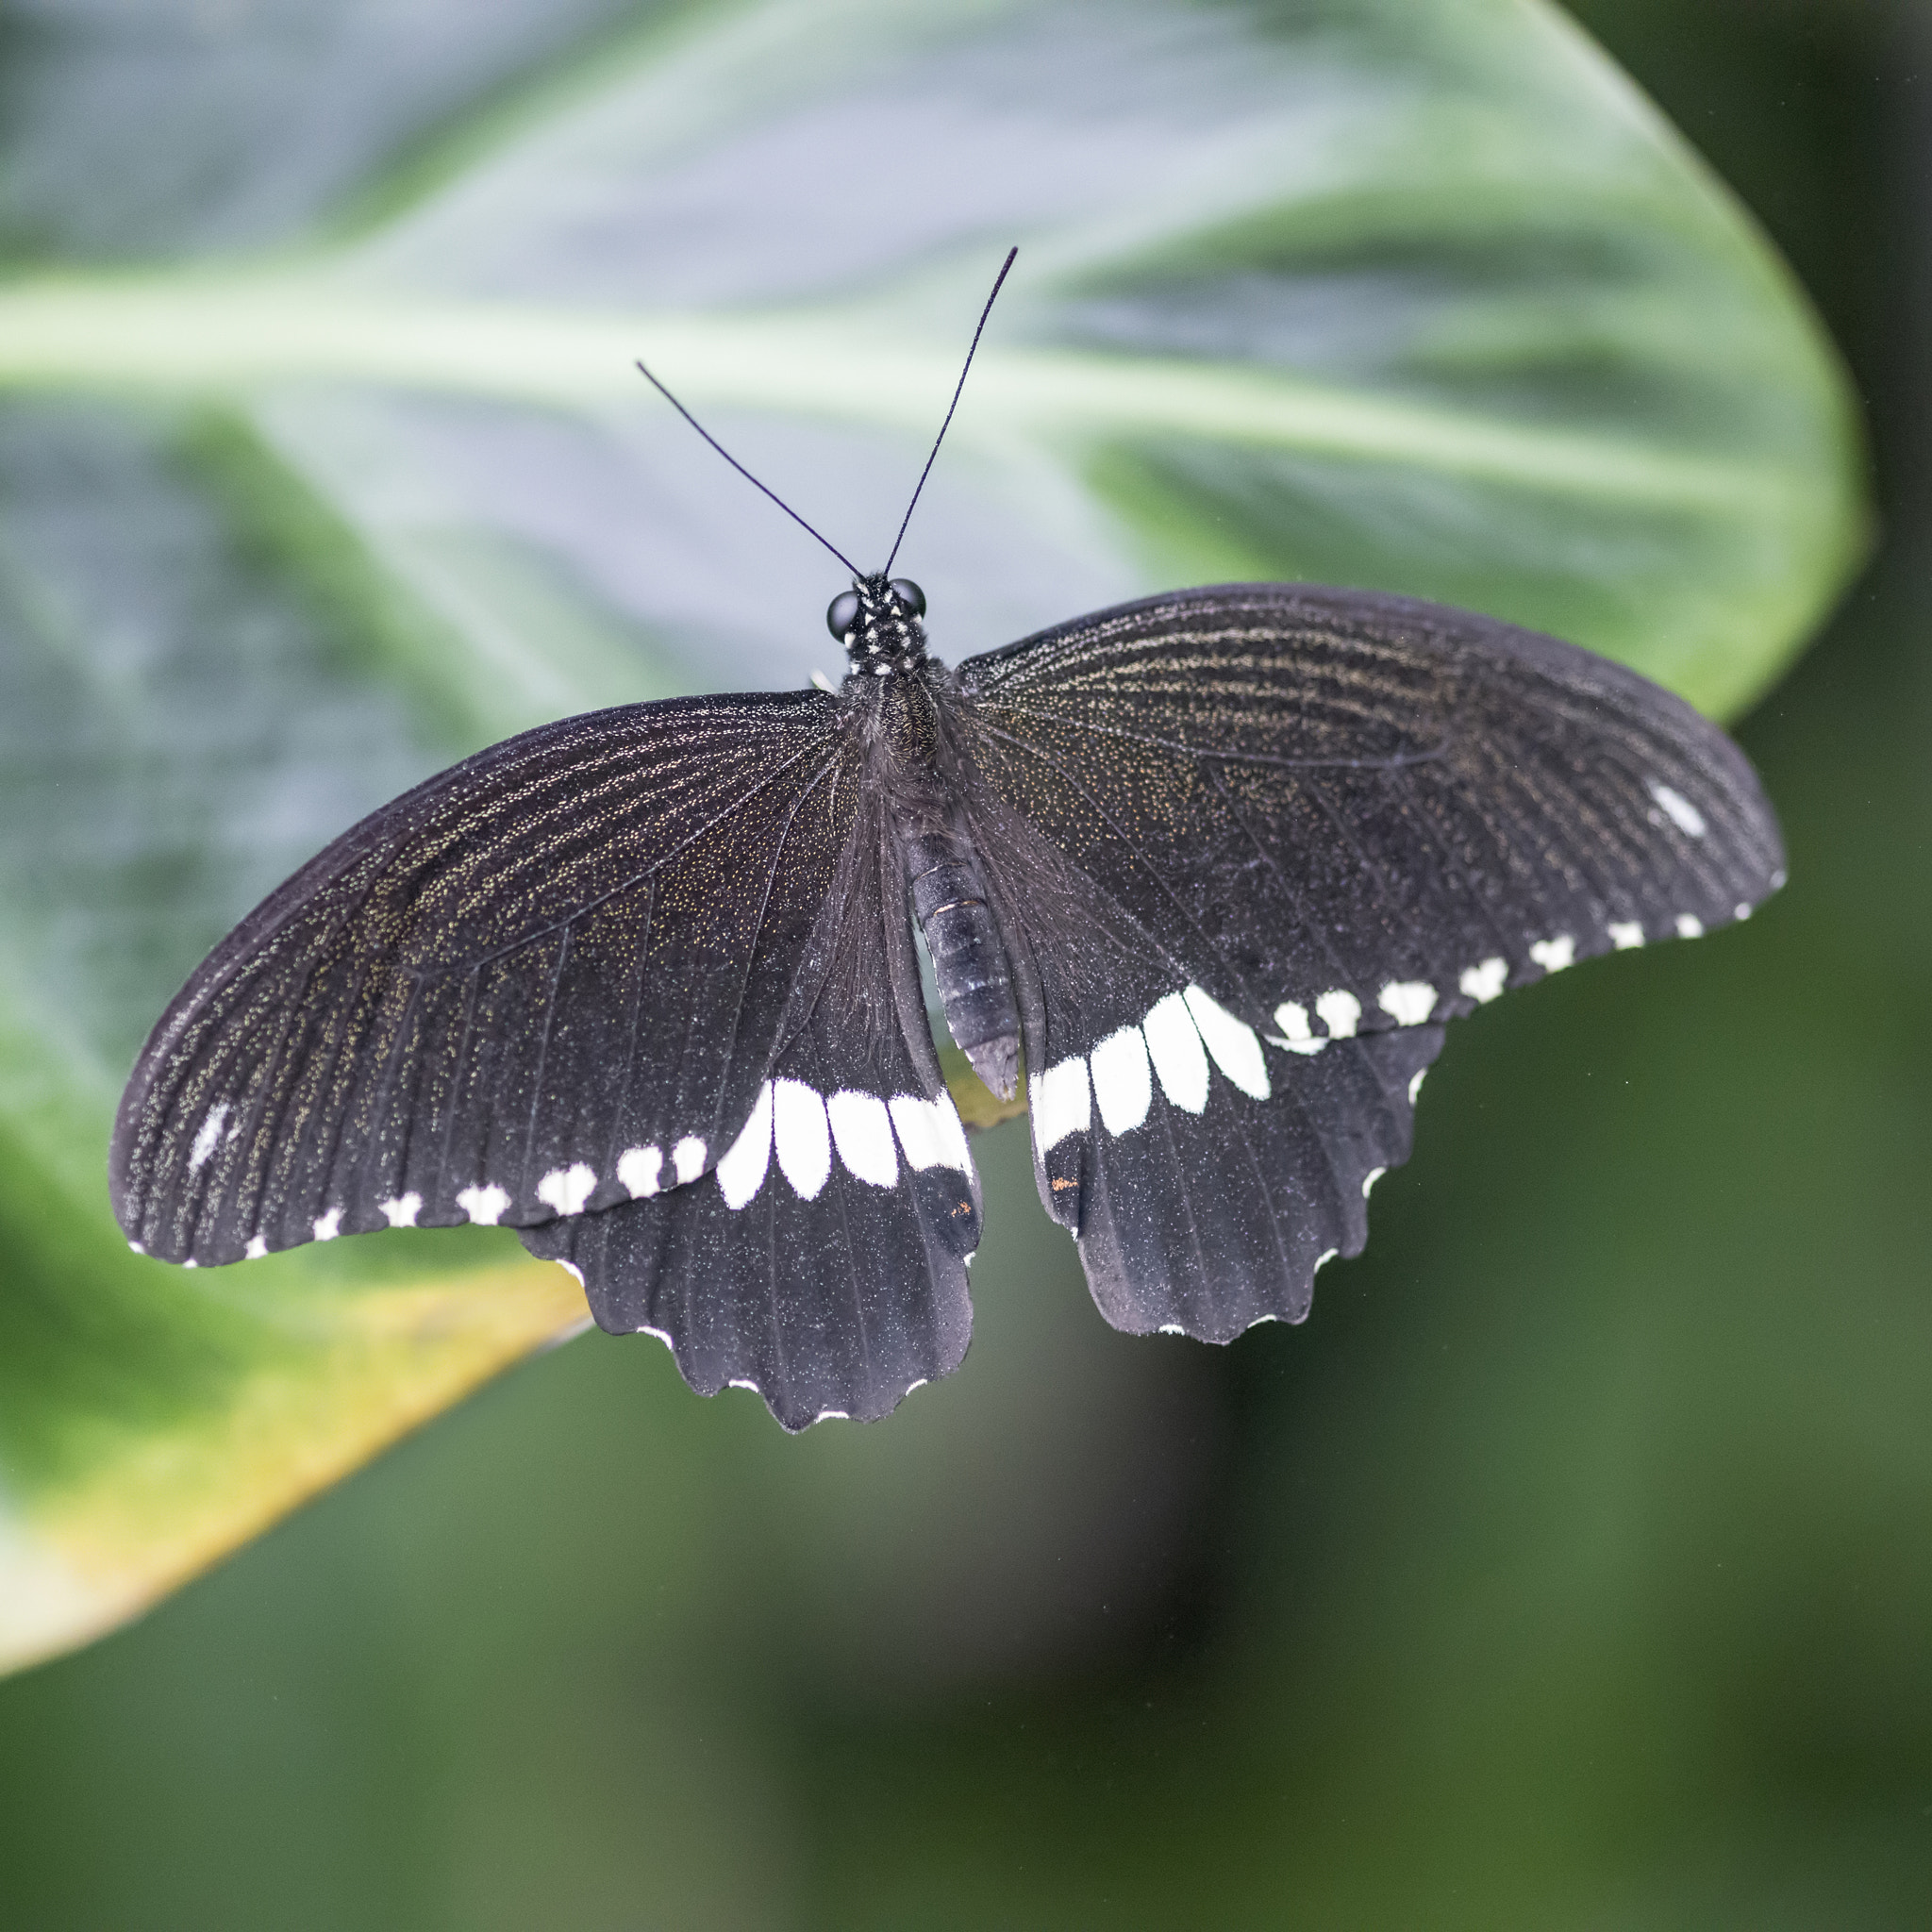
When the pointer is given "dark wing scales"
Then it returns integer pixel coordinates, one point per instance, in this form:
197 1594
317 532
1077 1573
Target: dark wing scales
548 979
1250 846
822 1263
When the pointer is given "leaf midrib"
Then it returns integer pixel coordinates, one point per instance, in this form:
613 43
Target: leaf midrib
200 336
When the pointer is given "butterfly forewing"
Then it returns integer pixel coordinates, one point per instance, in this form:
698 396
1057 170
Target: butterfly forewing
1350 813
547 981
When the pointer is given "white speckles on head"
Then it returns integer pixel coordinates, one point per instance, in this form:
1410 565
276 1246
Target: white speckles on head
403 1211
1486 982
862 1132
1339 1011
742 1166
1063 1104
1407 1002
1369 1179
1296 1033
929 1132
484 1205
1554 955
1415 1086
1235 1044
1625 934
208 1137
257 1249
637 1169
1682 813
804 1137
688 1159
567 1188
1690 926
1180 1060
329 1225
1123 1080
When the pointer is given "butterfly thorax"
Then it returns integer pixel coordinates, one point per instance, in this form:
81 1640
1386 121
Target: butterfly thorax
886 634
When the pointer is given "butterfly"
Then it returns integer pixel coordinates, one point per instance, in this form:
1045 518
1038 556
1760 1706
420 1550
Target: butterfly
1209 872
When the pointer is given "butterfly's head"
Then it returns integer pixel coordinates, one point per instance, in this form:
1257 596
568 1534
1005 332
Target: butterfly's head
877 622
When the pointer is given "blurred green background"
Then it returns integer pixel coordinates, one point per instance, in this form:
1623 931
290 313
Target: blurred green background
1572 1567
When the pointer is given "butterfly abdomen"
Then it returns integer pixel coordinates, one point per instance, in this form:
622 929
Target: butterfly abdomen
949 906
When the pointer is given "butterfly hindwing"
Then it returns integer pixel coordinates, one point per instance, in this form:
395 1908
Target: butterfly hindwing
1207 1167
1365 812
547 981
822 1262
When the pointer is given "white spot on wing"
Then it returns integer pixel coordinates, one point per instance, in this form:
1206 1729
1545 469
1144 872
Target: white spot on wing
1690 926
329 1225
1323 1259
1122 1081
1683 814
1339 1011
658 1334
1554 955
862 1131
1743 909
135 1248
1407 1002
831 1415
929 1132
1171 1328
404 1209
1625 934
208 1137
575 1273
1486 982
804 1137
567 1188
1063 1104
484 1205
688 1159
743 1382
637 1169
918 1382
823 683
1175 1049
1415 1086
1369 1179
1297 1035
743 1165
257 1249
1235 1044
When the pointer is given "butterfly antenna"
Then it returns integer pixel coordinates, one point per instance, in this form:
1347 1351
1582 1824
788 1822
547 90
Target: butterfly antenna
948 422
746 474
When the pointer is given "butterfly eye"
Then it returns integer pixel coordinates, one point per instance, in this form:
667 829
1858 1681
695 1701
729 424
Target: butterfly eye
910 594
841 614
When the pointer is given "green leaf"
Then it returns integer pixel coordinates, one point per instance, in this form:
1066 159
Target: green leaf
323 462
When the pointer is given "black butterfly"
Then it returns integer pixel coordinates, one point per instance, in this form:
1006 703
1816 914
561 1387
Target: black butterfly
1215 866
